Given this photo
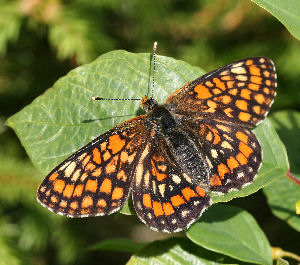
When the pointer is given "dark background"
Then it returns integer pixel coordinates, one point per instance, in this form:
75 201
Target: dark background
41 41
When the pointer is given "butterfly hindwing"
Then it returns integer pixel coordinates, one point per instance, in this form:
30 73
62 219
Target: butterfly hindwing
95 180
241 92
165 198
233 153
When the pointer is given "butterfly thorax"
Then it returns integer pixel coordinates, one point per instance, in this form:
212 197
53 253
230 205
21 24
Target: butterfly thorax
185 151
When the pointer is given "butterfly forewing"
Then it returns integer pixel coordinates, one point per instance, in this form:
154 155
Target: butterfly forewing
241 92
96 180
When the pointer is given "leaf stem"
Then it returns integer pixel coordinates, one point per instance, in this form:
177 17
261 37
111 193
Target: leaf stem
280 253
290 176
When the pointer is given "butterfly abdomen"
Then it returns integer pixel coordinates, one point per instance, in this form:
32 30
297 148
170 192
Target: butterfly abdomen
185 152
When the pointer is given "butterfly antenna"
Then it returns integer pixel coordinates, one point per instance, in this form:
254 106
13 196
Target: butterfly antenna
153 79
99 98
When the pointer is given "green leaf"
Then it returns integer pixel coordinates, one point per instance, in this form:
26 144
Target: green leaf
233 232
283 194
65 118
118 244
178 251
286 11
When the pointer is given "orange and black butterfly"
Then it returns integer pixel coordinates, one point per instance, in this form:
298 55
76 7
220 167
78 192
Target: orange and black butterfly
169 159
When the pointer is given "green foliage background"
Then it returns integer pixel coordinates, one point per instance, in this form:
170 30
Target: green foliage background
41 41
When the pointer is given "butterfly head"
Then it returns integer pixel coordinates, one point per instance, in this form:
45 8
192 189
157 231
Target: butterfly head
148 103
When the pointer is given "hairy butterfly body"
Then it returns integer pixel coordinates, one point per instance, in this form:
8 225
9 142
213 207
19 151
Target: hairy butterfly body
169 159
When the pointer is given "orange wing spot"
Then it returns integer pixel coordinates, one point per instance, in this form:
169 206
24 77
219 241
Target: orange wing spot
91 185
208 83
232 163
268 82
83 177
259 98
267 90
245 93
112 165
253 86
200 191
212 106
226 77
257 109
86 160
177 200
54 199
106 156
53 176
147 200
266 73
115 143
233 91
230 84
228 111
78 190
254 70
223 128
188 193
63 204
242 137
242 77
117 193
101 203
159 176
162 167
168 208
202 92
219 83
68 190
256 79
242 159
90 166
249 62
106 186
245 149
157 208
209 136
74 205
103 146
87 202
242 104
217 91
59 185
222 170
124 156
97 156
215 181
121 175
244 116
42 189
225 99
217 138
97 172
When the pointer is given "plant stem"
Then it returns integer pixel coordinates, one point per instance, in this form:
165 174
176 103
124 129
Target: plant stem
290 176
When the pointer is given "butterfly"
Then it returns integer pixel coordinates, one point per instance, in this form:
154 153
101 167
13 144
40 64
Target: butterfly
171 158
